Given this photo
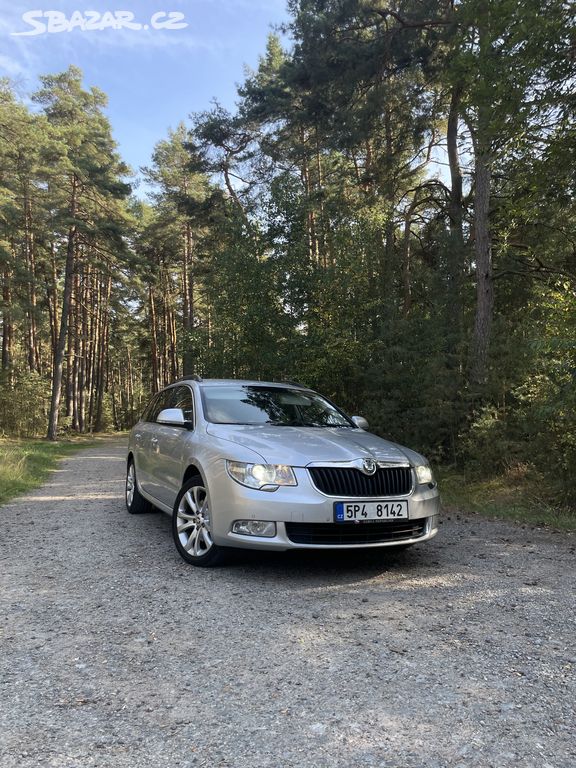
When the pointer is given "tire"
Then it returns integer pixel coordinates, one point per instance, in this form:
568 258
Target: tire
136 504
191 521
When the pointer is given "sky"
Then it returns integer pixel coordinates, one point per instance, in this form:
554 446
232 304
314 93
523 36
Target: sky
157 60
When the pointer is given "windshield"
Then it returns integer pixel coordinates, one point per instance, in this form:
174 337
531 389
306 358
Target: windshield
283 407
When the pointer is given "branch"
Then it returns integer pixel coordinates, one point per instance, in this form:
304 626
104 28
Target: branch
410 23
539 270
429 184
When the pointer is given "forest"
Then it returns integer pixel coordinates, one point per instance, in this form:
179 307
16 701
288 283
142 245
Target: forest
387 215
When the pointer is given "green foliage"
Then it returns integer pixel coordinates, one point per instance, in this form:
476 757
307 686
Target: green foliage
24 404
547 397
516 494
531 417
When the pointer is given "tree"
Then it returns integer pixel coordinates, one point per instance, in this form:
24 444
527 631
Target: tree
181 191
86 194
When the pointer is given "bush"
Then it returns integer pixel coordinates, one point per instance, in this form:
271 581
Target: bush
24 404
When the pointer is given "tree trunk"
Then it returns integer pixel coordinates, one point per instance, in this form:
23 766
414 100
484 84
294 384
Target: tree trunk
34 363
52 301
61 344
74 352
103 354
484 278
6 321
188 302
407 258
305 174
130 388
455 209
173 343
387 254
454 314
323 236
153 340
83 352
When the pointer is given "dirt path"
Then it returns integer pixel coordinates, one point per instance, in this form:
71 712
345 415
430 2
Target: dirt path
115 653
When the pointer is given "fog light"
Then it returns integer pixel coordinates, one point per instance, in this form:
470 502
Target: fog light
254 528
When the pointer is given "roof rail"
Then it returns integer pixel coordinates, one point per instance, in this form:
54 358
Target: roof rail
191 377
295 384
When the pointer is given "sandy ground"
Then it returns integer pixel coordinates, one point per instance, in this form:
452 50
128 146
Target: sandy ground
115 653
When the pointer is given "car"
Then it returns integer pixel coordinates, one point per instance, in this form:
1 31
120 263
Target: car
273 466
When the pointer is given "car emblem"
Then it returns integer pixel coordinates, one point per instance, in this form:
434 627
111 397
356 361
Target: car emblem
369 467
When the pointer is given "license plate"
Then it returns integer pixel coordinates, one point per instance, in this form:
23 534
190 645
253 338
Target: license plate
357 511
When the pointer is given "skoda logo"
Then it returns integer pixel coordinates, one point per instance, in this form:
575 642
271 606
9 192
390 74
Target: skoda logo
369 466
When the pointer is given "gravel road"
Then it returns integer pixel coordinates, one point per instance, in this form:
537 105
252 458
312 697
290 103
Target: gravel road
115 653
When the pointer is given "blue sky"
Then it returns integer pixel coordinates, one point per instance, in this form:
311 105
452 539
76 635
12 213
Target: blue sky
164 60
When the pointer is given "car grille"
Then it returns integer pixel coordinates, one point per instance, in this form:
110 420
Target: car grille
334 534
349 482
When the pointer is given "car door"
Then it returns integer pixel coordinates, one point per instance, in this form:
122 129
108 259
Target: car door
169 448
146 442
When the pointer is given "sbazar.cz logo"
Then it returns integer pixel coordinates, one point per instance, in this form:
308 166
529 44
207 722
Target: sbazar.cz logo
42 22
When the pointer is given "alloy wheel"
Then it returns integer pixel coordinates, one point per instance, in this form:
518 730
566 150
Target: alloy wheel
193 522
130 485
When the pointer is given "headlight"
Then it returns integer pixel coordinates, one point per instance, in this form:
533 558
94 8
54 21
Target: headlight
262 476
424 474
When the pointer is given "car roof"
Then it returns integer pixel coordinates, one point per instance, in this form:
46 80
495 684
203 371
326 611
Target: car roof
249 382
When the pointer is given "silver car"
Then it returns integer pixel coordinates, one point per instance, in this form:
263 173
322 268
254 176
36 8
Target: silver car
273 466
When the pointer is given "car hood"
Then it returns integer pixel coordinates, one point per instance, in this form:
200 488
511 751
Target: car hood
300 446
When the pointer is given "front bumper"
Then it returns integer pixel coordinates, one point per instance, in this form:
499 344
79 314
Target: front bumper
304 504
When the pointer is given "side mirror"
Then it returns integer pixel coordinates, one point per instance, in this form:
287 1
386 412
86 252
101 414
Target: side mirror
172 416
360 422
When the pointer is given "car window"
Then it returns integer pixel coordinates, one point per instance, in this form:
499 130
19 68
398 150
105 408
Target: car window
147 413
174 397
270 405
162 401
182 398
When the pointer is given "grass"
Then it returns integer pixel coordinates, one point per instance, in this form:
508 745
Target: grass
25 464
516 495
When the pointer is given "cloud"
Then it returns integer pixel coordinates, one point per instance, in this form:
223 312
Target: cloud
73 31
276 6
11 67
